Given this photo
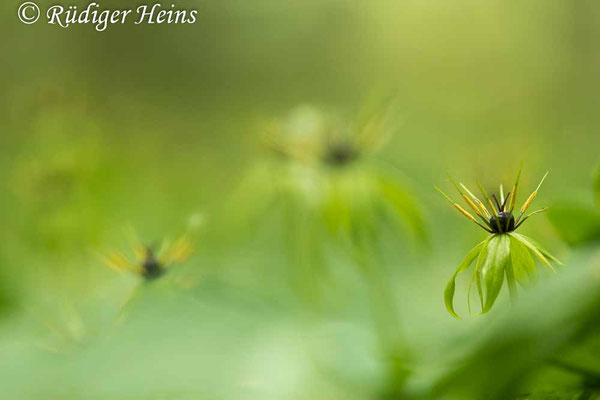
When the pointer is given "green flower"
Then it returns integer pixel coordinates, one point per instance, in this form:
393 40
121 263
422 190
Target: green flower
146 261
331 166
504 253
342 196
331 192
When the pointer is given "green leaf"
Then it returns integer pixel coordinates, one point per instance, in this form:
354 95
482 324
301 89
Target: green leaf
539 252
509 358
451 286
523 264
577 224
543 250
477 278
494 268
510 279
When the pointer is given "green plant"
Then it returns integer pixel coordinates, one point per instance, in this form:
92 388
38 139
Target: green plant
504 253
148 262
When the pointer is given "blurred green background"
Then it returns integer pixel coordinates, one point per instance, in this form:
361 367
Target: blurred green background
156 127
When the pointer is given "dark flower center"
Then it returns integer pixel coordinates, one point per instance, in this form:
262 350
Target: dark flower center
504 222
340 154
152 268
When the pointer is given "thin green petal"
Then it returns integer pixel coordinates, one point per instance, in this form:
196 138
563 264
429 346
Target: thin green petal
543 250
522 262
494 269
510 279
451 286
534 249
477 278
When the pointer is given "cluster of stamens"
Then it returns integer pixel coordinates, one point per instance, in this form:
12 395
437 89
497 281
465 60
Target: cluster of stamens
149 263
499 218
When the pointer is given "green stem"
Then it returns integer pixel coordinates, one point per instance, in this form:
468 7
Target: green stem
302 251
383 305
125 307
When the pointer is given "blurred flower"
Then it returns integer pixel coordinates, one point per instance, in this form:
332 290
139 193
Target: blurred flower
331 165
323 171
504 252
311 137
149 262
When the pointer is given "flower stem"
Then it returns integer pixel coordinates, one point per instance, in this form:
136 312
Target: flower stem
383 305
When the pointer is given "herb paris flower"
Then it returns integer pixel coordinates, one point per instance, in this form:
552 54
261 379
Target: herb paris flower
504 253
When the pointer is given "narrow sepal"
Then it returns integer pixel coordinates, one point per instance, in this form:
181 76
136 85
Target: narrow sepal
451 286
523 264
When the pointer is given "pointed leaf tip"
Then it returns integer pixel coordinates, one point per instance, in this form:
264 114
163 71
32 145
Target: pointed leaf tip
451 285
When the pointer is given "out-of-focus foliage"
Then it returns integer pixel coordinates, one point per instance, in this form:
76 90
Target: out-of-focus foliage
578 222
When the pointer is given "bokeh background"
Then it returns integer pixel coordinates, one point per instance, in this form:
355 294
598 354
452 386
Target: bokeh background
157 127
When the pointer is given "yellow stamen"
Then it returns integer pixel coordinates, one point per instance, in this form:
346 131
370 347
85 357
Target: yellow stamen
487 198
532 196
485 211
117 261
476 200
140 252
472 204
464 212
528 202
176 252
456 205
492 206
513 197
468 191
